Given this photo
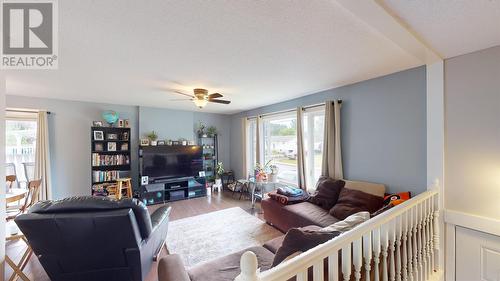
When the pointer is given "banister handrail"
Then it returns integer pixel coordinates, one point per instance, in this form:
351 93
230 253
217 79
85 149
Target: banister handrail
291 267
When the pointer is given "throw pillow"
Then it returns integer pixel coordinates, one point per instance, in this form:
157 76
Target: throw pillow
327 192
396 199
349 223
353 201
298 240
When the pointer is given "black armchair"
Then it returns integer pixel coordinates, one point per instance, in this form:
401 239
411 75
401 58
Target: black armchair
95 238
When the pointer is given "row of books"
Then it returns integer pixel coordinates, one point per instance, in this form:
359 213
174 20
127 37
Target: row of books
100 176
109 160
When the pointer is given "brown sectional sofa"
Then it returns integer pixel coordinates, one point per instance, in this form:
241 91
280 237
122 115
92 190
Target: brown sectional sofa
305 213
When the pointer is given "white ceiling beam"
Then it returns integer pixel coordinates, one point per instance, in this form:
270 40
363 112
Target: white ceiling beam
373 13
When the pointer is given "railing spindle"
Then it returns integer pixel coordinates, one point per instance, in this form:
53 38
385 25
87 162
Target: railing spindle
392 250
357 258
346 262
410 244
367 254
333 267
404 250
420 244
415 248
376 252
384 239
398 223
318 271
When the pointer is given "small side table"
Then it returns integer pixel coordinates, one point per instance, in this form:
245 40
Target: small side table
19 267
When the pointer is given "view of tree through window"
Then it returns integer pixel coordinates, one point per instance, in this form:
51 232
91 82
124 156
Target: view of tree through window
313 144
20 145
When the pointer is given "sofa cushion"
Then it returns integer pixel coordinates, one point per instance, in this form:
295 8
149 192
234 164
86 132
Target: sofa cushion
349 223
327 192
274 244
353 201
226 268
299 240
376 189
313 213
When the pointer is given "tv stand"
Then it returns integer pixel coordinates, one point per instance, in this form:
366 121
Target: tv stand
168 190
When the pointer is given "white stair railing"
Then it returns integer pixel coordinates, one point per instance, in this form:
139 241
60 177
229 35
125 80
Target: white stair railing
400 244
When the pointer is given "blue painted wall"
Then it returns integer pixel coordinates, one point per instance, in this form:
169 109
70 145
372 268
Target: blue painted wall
383 129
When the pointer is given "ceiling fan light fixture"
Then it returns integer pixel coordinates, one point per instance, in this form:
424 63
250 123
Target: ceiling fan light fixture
200 102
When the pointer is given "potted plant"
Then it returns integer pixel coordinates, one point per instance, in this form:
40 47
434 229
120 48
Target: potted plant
273 176
201 130
211 131
153 137
219 170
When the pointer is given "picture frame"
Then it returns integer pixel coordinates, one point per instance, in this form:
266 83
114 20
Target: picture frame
175 142
201 173
124 147
144 142
111 146
161 142
97 124
126 123
98 147
125 136
112 136
120 123
98 135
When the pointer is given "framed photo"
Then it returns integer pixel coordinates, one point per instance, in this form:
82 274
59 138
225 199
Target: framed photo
124 147
125 136
144 142
98 135
98 147
112 136
201 173
126 123
111 146
191 142
161 142
97 124
120 123
175 143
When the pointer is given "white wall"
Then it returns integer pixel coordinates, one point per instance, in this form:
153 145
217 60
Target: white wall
472 133
2 173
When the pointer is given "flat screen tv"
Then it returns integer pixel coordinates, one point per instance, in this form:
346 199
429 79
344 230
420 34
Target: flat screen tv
167 162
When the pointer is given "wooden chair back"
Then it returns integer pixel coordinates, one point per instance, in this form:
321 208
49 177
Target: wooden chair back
9 180
33 194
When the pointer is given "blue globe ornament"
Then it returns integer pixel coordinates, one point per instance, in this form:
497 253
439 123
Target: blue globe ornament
110 116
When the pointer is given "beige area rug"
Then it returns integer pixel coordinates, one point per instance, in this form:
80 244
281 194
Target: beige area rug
212 235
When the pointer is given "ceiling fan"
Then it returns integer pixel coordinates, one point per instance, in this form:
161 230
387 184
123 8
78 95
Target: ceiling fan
201 97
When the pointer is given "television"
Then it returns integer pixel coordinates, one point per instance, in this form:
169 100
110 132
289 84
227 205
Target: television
167 162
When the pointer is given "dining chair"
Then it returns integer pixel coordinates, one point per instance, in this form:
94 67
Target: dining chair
10 180
29 171
10 169
30 199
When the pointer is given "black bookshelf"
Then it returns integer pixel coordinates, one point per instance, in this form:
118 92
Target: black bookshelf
110 157
210 155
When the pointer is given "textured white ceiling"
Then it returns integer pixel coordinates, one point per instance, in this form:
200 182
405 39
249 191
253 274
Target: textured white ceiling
451 27
254 52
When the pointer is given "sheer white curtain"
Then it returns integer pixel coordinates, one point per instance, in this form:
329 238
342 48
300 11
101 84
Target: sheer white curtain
42 156
259 145
332 155
301 163
244 137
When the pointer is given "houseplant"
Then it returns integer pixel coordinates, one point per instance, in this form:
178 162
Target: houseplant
211 131
201 130
153 137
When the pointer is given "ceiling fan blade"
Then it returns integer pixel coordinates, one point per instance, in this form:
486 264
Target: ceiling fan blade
180 99
179 92
220 101
214 96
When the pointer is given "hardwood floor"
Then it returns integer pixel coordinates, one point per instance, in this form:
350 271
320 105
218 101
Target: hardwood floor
180 209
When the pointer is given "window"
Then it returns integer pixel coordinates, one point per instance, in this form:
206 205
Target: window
20 144
313 125
280 145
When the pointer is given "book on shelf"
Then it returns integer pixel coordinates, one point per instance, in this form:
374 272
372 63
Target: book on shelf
103 176
109 160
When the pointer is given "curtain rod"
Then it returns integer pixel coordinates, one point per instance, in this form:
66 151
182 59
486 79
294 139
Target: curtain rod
290 110
26 110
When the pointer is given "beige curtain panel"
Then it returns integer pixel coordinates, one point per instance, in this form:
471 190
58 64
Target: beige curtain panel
301 163
332 155
244 128
42 156
259 144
